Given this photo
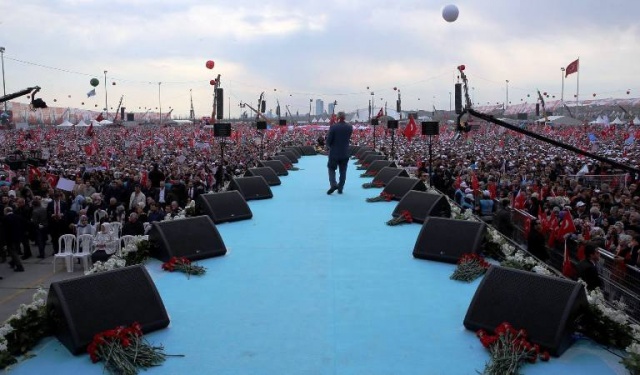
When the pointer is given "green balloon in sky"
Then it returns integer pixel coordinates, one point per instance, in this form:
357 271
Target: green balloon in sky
94 82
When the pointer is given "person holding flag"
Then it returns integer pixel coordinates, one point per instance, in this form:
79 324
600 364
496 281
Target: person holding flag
411 129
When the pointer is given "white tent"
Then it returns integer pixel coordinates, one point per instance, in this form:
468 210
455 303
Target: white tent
636 121
106 122
561 120
65 124
617 121
82 124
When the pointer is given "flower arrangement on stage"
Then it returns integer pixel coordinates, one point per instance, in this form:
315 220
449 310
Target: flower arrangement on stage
374 184
290 167
404 217
519 260
607 325
124 350
189 210
470 267
509 349
183 265
137 252
384 196
371 173
108 265
24 329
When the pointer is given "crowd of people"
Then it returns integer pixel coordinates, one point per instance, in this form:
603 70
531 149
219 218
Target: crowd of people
142 174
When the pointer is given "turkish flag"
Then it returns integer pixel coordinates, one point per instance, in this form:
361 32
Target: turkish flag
380 113
566 226
572 68
52 179
411 129
567 266
33 173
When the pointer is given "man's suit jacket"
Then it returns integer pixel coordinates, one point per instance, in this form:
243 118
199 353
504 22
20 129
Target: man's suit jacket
589 273
63 210
338 140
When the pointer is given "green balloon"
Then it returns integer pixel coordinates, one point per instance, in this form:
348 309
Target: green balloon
94 82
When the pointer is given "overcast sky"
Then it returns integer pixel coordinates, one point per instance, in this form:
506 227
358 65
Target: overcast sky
297 50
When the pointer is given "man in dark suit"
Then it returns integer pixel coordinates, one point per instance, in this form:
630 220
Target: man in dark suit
14 228
57 214
338 143
587 270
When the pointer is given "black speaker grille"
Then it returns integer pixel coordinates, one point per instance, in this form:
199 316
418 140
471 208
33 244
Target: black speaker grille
544 306
295 150
284 159
88 305
377 165
194 238
290 155
399 186
387 174
276 165
360 152
254 187
309 150
446 240
267 173
422 205
371 158
224 206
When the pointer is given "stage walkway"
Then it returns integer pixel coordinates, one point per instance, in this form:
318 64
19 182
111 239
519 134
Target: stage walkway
315 284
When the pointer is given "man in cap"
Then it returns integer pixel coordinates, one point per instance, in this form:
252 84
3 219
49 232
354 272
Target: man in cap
338 143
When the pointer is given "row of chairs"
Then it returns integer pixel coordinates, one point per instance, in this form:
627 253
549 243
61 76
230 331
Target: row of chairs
72 248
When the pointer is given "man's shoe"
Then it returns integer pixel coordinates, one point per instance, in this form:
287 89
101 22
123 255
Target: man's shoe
19 269
25 257
339 190
331 190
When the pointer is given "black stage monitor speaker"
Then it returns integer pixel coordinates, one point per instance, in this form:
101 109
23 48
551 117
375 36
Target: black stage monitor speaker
254 187
446 240
375 122
360 153
354 150
194 238
537 109
224 206
295 150
276 165
282 122
309 150
371 158
545 306
263 106
399 186
387 174
261 125
267 173
290 155
392 124
422 205
377 166
122 109
219 103
430 128
85 306
285 160
458 97
222 129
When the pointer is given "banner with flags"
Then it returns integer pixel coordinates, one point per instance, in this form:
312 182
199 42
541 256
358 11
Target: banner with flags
572 68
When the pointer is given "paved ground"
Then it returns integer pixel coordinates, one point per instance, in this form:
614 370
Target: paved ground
18 287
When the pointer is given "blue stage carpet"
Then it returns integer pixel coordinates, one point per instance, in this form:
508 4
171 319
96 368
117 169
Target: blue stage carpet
318 284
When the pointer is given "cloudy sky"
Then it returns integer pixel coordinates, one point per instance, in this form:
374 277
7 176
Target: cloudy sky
294 51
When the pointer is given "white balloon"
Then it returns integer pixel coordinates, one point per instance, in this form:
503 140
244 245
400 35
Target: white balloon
450 13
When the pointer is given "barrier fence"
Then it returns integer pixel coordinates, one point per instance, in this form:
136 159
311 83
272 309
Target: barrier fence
596 181
621 282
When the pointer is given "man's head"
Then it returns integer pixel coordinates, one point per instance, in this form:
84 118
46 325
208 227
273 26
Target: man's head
341 116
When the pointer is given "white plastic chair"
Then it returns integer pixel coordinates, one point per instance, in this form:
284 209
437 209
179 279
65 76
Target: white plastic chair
126 240
84 250
116 229
66 246
98 215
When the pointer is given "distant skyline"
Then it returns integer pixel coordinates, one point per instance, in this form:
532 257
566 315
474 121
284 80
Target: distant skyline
331 50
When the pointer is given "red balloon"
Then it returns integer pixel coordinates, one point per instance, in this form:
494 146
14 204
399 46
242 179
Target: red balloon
462 67
113 83
594 94
544 93
395 88
628 92
212 82
210 64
